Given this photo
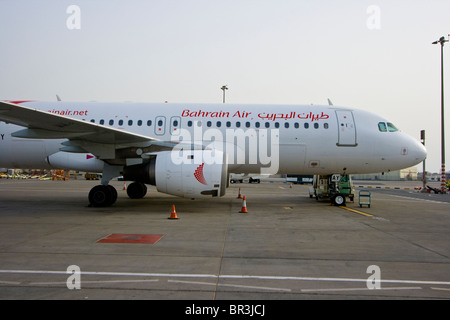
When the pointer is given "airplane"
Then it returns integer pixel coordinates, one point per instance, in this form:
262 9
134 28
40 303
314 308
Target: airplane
190 149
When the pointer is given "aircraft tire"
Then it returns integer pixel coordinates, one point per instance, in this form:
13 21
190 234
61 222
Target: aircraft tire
136 190
114 193
102 196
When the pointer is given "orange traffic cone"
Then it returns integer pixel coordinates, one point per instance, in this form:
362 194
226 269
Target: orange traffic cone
173 214
244 206
290 186
239 194
124 186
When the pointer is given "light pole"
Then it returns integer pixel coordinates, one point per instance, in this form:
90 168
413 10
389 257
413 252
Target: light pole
442 41
424 173
224 88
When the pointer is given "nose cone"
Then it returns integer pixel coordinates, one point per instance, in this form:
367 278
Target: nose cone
420 152
417 152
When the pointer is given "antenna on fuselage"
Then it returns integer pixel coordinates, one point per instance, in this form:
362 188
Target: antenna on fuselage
329 102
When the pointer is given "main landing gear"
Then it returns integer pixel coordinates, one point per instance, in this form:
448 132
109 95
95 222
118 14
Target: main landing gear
136 190
106 195
102 196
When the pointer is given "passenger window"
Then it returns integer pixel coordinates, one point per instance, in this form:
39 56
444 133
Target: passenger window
391 127
139 123
306 125
238 124
189 123
102 121
267 124
286 125
257 124
175 123
209 124
247 124
149 123
218 124
325 125
228 124
277 125
316 125
111 122
120 122
93 120
296 125
130 122
382 127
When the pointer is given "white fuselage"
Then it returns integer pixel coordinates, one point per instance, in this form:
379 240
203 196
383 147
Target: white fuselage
295 139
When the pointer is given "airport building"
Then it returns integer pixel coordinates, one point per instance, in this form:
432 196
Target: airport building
408 174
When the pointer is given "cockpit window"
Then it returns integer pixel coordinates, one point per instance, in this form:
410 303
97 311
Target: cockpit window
385 127
382 127
391 127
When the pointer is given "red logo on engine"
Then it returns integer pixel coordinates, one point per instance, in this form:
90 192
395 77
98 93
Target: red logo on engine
198 174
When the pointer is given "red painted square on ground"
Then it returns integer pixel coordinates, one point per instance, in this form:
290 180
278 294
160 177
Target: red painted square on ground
131 238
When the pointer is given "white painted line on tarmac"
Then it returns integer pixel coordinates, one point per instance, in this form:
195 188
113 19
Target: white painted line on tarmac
9 282
213 276
418 199
442 289
93 282
231 285
359 289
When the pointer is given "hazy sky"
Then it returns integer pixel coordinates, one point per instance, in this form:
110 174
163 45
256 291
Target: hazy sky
372 55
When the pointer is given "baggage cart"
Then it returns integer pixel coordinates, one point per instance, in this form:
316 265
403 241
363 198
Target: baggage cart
364 198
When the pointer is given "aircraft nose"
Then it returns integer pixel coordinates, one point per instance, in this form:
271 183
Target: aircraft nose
419 152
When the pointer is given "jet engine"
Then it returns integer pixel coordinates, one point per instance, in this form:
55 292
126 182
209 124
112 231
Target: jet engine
189 174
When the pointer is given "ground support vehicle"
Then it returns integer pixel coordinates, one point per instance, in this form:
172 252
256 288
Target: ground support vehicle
335 187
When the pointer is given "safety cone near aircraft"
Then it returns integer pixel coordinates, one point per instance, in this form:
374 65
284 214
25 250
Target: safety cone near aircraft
239 194
173 214
244 206
124 186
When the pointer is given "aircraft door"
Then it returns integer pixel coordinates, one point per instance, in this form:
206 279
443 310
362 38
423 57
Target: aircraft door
347 129
175 125
160 125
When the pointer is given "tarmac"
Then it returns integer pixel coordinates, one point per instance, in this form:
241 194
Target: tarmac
288 246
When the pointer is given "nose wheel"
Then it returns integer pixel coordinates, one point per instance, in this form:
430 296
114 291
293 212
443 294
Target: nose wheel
102 196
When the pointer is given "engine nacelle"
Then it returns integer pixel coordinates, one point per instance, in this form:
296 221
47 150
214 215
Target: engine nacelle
195 174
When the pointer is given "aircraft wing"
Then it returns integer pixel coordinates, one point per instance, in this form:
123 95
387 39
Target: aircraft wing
94 138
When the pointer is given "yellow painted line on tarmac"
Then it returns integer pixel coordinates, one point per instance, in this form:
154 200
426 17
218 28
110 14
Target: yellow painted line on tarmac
356 211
